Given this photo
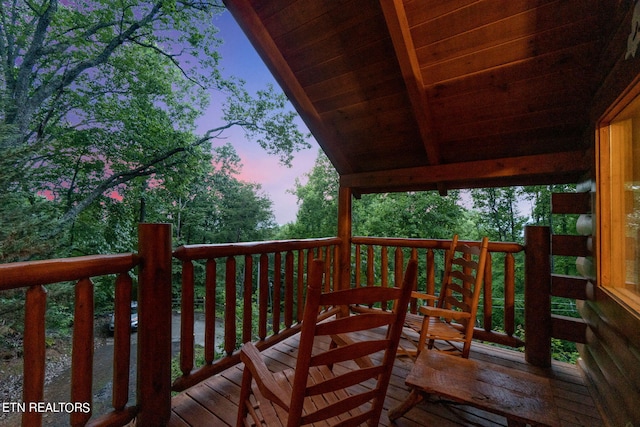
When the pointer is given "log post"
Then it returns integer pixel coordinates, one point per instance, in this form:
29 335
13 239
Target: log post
154 328
34 353
344 233
537 295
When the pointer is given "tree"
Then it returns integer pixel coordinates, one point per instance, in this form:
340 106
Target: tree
318 202
500 217
219 208
412 215
96 95
540 195
415 214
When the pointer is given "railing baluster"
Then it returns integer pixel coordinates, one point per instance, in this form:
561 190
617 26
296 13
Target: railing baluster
358 267
487 300
384 272
413 303
370 261
277 283
187 318
263 296
210 312
34 352
230 306
288 289
336 267
82 353
247 310
509 294
327 269
121 342
398 261
301 281
431 275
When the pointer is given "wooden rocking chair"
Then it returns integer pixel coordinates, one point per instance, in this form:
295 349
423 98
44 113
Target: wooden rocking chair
452 319
320 388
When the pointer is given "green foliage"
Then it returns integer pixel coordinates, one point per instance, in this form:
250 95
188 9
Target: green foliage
318 202
499 213
420 214
98 105
412 215
564 351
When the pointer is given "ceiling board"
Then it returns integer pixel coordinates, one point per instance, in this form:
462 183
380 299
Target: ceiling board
387 85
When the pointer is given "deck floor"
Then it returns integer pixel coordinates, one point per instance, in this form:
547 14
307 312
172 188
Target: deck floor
214 401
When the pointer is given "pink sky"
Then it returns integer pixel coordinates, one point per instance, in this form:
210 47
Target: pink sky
241 60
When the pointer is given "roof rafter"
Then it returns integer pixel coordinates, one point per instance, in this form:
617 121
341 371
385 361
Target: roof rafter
398 25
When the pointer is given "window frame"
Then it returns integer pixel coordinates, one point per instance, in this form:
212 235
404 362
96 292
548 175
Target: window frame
610 205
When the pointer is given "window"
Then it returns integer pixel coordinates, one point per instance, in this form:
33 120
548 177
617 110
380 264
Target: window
619 200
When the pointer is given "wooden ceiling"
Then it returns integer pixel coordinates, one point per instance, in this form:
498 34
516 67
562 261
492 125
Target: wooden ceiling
434 94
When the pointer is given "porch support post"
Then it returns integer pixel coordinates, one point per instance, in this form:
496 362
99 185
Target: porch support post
537 296
344 233
154 327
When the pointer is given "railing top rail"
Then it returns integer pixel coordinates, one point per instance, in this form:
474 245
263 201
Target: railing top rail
208 251
507 247
21 274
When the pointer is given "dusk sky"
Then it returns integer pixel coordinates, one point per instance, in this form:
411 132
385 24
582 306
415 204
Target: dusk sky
240 59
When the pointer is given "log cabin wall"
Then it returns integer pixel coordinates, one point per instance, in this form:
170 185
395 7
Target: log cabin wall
611 354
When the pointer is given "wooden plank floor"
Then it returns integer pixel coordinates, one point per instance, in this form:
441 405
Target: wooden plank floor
214 401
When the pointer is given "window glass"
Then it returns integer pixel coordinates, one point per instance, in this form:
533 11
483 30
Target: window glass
623 170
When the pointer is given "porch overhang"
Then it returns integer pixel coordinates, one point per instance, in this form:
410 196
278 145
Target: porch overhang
420 95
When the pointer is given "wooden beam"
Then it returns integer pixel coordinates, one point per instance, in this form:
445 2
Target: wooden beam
571 203
569 286
568 245
572 162
569 328
398 25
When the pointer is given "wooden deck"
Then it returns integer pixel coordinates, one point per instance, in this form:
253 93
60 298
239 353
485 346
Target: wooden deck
214 401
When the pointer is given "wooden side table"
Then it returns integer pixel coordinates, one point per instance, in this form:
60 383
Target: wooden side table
521 397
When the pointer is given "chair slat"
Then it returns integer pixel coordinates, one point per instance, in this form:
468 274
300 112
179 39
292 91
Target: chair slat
464 278
344 381
339 407
349 352
368 295
356 323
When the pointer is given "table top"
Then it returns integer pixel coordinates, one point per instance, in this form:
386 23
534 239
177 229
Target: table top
515 394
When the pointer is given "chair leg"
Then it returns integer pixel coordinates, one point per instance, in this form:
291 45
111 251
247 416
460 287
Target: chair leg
402 408
245 393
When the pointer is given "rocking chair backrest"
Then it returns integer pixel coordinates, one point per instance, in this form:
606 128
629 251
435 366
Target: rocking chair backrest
369 319
340 378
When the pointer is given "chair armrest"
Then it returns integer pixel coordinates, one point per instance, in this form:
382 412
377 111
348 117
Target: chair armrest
265 380
423 296
443 312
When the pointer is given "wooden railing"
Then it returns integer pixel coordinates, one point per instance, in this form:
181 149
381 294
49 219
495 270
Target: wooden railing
34 276
276 270
381 260
271 272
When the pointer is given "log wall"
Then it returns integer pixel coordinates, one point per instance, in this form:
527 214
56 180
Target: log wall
611 354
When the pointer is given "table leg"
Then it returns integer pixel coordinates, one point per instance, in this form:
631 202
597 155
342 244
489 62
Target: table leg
402 408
